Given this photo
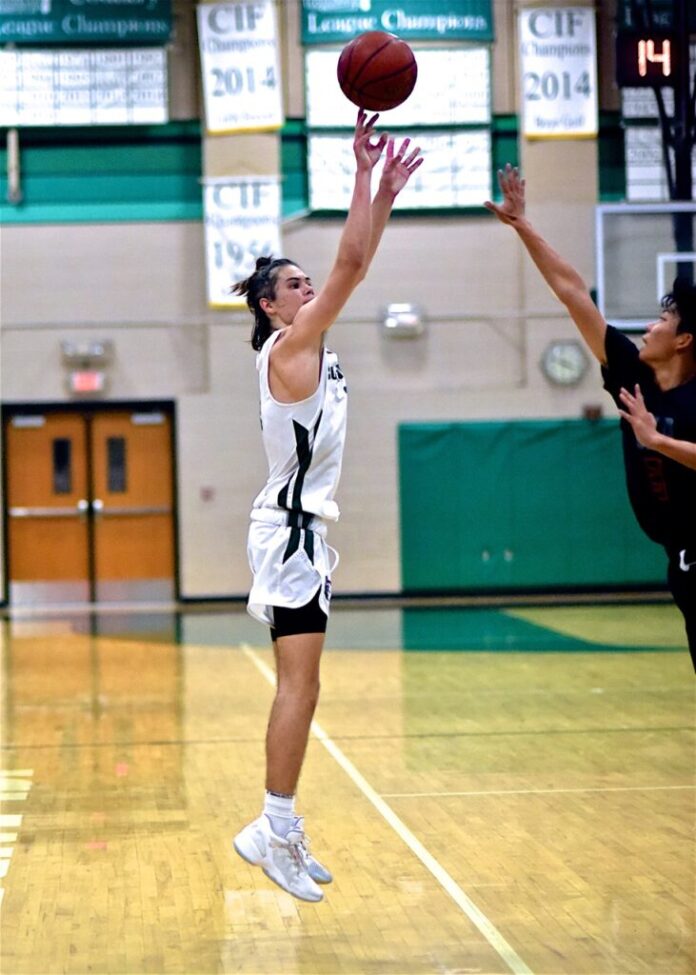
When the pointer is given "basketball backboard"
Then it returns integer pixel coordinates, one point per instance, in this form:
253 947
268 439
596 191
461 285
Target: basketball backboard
640 249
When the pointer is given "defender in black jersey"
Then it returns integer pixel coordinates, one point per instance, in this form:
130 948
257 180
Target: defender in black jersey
654 387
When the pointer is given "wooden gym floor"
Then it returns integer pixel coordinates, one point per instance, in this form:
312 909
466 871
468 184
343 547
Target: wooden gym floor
525 806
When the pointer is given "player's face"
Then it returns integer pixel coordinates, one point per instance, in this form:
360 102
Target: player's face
660 340
292 290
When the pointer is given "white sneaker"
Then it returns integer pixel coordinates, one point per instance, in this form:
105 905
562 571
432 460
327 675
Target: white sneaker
282 858
316 870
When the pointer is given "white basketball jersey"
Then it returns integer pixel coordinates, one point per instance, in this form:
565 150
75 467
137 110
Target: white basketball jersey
303 441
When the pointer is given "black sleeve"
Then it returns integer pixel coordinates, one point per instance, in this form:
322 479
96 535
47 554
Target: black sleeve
623 367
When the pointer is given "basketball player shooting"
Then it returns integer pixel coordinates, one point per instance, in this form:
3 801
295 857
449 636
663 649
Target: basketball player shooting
303 416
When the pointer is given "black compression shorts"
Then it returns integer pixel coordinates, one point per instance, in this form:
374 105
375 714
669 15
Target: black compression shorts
309 618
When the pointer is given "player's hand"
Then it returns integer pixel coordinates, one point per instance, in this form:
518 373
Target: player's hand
636 413
367 153
512 187
399 167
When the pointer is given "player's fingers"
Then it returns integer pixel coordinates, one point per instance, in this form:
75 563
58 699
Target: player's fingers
411 156
494 209
378 146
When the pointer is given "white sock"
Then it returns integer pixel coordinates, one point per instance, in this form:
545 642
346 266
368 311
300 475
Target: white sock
280 810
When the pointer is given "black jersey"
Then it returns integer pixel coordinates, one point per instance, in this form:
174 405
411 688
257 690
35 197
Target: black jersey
662 491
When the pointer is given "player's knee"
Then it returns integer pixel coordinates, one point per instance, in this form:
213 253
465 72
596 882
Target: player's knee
301 688
310 692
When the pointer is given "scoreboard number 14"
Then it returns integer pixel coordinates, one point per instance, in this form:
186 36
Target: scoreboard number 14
643 61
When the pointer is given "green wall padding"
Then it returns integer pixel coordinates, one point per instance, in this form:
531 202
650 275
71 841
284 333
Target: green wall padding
136 173
518 505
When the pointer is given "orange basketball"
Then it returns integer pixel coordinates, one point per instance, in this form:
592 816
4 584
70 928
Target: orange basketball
377 71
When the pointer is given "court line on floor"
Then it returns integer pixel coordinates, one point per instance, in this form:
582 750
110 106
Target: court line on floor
447 882
534 792
238 740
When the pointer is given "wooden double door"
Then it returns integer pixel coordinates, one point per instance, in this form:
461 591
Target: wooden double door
90 513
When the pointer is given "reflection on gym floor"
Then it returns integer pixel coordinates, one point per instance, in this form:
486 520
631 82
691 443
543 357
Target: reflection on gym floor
525 806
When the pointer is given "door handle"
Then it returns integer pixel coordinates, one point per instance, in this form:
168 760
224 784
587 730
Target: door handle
82 508
151 509
46 512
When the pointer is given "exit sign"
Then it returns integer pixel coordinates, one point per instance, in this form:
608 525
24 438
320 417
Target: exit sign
87 381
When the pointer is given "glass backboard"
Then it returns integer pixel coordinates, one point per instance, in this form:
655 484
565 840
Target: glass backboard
640 248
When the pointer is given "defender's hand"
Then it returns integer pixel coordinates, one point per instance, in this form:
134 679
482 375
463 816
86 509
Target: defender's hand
512 187
636 413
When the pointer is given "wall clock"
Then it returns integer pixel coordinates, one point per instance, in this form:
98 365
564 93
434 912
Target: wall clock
564 362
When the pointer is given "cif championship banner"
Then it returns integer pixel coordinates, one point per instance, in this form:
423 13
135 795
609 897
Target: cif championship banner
239 61
558 59
242 222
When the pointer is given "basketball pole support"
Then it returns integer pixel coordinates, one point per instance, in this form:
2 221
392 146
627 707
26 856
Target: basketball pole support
679 133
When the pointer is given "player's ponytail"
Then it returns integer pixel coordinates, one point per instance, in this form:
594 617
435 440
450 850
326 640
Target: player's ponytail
260 284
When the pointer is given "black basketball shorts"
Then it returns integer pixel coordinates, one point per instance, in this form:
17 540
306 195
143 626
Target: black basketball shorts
309 618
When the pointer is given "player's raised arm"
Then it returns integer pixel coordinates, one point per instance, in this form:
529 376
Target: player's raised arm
352 258
399 166
363 228
565 282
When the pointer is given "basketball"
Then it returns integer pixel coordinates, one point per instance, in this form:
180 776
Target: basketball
377 71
